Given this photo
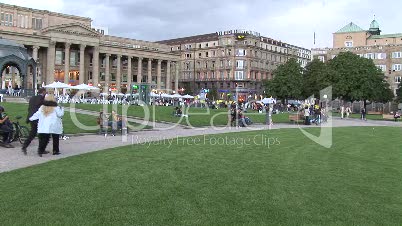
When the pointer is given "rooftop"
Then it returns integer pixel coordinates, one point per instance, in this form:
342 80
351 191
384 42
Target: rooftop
350 28
191 39
397 35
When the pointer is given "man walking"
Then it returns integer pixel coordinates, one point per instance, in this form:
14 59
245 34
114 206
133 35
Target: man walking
34 104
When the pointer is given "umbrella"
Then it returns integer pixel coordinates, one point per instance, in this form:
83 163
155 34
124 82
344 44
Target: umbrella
57 85
188 97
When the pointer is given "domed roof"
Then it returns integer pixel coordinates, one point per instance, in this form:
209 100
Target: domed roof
374 25
8 48
6 42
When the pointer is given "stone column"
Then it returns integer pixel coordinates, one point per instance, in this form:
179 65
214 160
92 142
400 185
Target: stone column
67 62
159 75
95 67
82 63
176 79
107 69
149 80
139 70
118 73
168 83
31 80
129 73
51 54
35 52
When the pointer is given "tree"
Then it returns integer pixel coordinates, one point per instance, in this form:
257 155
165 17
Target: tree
399 93
316 77
287 81
187 89
213 94
358 79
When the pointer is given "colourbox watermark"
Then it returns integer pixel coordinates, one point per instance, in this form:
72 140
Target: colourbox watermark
260 141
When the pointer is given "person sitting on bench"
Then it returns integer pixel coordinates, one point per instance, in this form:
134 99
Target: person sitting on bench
6 127
396 116
116 123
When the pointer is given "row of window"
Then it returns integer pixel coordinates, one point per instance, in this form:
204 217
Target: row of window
22 21
238 75
6 19
380 56
395 67
240 64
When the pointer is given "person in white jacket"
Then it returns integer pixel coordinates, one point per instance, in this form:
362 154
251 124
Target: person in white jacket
50 124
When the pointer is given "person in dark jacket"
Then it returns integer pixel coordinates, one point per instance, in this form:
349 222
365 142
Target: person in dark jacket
34 104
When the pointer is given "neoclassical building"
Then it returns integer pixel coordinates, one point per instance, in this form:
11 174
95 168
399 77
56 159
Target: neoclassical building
384 49
67 49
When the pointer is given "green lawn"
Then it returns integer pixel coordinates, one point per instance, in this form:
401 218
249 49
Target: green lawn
17 109
198 117
295 182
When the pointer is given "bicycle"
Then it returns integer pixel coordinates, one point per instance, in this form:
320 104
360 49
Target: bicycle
20 133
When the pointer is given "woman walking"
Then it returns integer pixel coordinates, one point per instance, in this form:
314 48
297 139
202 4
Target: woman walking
50 124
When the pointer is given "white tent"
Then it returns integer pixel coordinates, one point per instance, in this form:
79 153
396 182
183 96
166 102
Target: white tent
268 100
154 95
165 95
57 85
188 97
43 84
84 87
177 95
3 85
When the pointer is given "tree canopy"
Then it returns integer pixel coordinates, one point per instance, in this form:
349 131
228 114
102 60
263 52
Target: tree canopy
352 78
287 81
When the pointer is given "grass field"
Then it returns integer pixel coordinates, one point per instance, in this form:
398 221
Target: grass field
17 109
292 182
198 117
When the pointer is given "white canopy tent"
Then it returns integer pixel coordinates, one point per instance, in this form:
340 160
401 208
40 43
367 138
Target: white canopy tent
177 96
84 87
165 95
188 97
57 85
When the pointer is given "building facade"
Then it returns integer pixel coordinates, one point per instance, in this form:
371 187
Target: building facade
384 49
67 49
234 62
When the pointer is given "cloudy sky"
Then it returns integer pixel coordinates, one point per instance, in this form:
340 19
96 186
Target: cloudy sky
291 21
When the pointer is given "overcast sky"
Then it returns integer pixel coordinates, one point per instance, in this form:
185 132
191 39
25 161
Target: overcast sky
291 21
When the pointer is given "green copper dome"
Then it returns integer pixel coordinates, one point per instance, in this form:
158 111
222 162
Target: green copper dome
374 25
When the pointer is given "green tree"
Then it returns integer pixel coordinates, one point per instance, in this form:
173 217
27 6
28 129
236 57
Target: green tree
213 94
317 76
358 79
399 93
187 89
287 81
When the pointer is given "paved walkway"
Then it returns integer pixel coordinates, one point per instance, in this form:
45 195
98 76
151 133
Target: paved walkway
11 159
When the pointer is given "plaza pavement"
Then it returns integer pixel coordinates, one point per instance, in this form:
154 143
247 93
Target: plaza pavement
13 158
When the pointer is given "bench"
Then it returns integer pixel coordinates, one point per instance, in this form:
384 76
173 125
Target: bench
104 126
374 113
389 117
296 117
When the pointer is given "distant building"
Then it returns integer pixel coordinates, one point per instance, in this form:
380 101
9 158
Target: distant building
384 49
234 62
